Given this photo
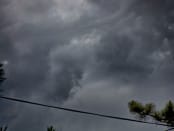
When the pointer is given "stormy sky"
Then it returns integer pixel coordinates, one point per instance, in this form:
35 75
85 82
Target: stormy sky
92 55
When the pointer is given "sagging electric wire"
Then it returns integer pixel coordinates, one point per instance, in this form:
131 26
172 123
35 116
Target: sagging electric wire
82 112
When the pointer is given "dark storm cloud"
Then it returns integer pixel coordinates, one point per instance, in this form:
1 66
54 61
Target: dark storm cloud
32 43
115 55
26 46
135 48
39 6
159 16
27 49
112 5
68 74
84 56
6 46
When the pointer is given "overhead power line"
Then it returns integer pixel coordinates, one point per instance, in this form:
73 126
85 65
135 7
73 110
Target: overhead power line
80 111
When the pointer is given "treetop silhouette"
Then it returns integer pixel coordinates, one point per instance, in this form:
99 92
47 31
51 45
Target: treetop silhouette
144 111
2 73
51 128
3 128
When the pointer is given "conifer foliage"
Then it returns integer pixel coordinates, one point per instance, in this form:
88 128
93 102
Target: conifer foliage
143 111
2 78
3 128
51 128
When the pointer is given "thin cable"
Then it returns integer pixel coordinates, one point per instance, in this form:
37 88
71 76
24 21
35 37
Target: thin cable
82 112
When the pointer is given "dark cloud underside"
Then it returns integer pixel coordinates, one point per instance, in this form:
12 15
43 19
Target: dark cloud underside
94 55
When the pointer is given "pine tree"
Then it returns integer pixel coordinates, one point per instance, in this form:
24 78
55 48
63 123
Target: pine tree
2 78
143 111
51 128
3 128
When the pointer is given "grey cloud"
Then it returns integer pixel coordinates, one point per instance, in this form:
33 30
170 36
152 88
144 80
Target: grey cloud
141 37
5 42
112 6
32 43
115 55
49 58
